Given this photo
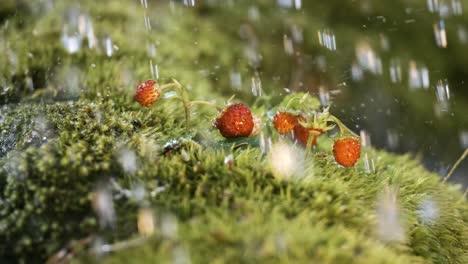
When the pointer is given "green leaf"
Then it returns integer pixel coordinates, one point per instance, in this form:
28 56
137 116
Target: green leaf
297 103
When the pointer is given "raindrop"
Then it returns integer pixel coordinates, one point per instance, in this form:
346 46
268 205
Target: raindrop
297 34
464 139
285 3
428 211
256 85
457 8
286 161
389 227
169 226
68 82
357 73
154 69
440 34
433 5
108 46
189 2
236 80
253 13
288 45
369 164
127 160
151 50
253 56
443 97
298 4
327 39
147 23
365 138
392 139
395 71
71 41
103 205
462 34
265 143
324 96
229 161
418 76
384 42
368 59
181 256
13 165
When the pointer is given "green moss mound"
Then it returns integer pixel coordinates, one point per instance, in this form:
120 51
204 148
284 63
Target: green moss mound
67 119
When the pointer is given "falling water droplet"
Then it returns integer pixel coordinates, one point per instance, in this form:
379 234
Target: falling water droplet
256 85
288 45
464 139
324 96
127 160
327 39
236 80
418 76
286 161
389 227
443 97
457 8
190 3
395 70
103 205
71 41
462 34
368 59
428 211
297 34
108 46
253 13
169 226
392 139
440 34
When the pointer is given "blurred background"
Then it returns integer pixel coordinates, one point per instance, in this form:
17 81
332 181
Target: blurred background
395 71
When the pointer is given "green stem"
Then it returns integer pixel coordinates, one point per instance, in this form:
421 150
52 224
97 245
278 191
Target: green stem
343 129
182 95
462 157
168 85
291 100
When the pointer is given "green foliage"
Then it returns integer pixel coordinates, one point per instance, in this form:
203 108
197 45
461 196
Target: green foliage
297 103
63 139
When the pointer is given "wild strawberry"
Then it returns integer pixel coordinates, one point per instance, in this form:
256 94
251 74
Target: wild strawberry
147 93
302 134
346 151
284 122
235 121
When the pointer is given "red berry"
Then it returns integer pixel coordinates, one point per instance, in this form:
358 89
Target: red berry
147 93
302 134
347 151
284 122
235 121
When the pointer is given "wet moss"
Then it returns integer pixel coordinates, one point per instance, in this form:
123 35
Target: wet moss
62 139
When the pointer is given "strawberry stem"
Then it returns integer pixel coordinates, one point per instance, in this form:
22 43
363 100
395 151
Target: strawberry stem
344 130
168 85
462 157
183 96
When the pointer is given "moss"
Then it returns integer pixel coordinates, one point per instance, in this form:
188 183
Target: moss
62 139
